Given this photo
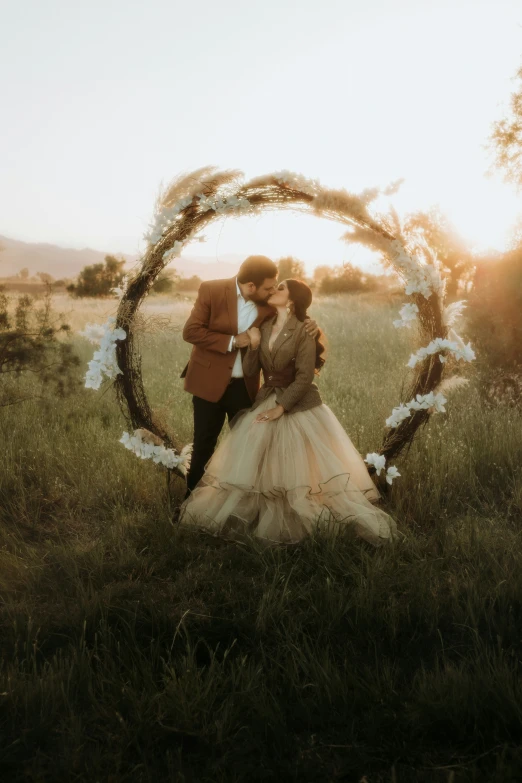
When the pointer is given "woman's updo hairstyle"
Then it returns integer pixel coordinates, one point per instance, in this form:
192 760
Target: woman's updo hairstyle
300 295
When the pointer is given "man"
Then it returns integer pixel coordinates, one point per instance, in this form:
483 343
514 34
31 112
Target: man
217 328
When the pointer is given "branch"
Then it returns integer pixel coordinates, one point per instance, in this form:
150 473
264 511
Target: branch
22 399
28 369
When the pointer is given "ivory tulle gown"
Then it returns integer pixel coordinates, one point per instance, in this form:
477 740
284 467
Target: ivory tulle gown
278 480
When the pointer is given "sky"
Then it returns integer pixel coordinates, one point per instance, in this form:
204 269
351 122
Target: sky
104 102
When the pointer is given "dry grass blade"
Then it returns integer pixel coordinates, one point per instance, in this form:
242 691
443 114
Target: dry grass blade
184 185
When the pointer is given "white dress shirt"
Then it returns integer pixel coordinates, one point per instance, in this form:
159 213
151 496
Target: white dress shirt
246 315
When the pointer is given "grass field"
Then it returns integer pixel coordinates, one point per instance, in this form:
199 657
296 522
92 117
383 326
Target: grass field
135 651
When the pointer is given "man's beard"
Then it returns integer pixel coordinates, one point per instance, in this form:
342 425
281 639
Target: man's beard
261 300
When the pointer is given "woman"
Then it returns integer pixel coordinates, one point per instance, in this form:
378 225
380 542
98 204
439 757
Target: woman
287 464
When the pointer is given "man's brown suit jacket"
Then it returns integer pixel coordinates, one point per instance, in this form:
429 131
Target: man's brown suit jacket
211 324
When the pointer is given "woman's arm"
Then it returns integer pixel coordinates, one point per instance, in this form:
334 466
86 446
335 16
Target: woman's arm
305 372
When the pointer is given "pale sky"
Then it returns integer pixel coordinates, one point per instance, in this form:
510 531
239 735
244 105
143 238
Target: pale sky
102 101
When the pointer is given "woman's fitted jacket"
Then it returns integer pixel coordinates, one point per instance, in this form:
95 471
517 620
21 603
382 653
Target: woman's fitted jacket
292 344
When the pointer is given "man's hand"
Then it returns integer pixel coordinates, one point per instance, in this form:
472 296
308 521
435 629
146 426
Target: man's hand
311 328
242 340
255 336
270 415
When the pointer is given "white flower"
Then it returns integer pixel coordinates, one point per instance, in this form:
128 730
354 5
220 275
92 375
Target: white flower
377 460
434 400
455 346
120 290
392 473
104 360
463 351
408 313
174 251
204 202
118 334
93 332
398 415
158 454
420 278
418 286
164 218
222 205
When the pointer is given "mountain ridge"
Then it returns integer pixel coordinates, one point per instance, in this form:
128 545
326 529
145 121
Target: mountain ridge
64 262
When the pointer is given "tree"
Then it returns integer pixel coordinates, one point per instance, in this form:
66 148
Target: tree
442 237
165 282
23 274
189 283
32 358
98 279
45 277
290 267
506 139
347 279
320 272
494 321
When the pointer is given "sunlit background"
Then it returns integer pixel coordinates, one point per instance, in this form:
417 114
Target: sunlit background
104 101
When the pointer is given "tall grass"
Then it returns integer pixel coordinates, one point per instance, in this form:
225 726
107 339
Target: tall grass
136 651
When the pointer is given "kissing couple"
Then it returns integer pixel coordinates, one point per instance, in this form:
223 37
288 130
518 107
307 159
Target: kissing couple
286 465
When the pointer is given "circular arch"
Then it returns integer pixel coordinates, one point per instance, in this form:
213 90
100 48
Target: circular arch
191 202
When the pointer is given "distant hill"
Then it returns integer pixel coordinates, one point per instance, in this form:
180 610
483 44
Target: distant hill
68 262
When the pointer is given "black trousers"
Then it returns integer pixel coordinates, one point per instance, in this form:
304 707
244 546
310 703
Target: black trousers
209 418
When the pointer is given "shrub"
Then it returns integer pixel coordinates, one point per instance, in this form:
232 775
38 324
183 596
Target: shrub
32 358
346 280
495 311
189 283
98 279
290 267
165 282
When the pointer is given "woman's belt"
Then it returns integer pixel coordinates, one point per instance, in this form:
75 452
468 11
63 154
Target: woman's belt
280 378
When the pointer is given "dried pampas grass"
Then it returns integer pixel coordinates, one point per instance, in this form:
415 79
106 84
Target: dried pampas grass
451 384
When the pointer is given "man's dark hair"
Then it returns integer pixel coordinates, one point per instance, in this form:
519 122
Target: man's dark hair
256 269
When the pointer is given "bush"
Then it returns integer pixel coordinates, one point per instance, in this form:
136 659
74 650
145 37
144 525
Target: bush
97 280
165 282
32 358
170 281
290 268
495 311
346 280
189 283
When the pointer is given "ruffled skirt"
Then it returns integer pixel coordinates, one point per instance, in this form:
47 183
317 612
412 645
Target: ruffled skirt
278 480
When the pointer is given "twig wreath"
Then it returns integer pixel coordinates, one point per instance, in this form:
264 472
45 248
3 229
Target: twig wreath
193 201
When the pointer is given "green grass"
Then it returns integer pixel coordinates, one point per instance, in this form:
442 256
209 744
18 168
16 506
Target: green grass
135 651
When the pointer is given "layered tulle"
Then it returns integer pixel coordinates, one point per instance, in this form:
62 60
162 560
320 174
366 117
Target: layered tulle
278 480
